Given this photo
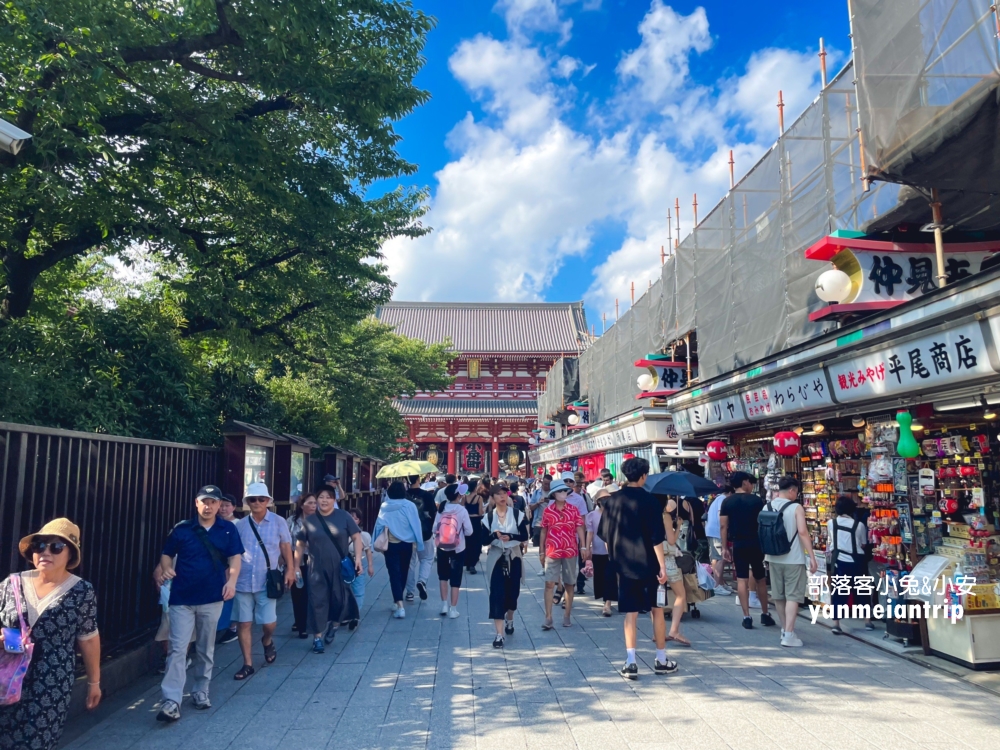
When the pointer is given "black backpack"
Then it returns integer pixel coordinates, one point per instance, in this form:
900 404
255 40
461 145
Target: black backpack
771 531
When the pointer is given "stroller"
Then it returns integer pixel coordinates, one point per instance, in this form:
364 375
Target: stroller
695 593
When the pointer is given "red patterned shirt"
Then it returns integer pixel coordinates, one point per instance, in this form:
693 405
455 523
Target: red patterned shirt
561 525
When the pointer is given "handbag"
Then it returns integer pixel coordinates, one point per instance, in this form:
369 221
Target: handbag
381 543
347 569
14 666
275 578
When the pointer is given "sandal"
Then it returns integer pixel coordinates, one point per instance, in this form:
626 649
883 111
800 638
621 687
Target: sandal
547 625
244 672
557 597
680 640
567 623
270 652
605 613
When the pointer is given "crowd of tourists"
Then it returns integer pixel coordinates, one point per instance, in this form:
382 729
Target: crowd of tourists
219 576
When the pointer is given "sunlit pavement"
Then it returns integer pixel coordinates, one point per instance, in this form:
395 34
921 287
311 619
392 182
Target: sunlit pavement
430 682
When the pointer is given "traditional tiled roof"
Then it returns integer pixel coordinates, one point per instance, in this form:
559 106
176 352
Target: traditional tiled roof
466 407
542 327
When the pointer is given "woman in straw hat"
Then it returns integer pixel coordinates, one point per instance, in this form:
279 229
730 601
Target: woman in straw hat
61 610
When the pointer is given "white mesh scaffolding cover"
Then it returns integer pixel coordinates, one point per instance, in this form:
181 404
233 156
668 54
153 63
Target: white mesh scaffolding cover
741 280
562 386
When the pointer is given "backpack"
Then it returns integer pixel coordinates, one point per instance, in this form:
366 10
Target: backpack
771 531
449 532
834 553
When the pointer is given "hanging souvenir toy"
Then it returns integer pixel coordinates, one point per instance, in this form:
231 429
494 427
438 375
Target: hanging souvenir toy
880 468
981 444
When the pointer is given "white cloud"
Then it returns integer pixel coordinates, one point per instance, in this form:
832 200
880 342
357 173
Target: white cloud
527 190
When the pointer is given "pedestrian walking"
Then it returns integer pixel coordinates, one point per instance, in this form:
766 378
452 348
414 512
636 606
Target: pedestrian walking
398 519
422 560
507 528
325 536
226 629
202 559
539 499
605 579
738 524
561 542
266 543
789 571
675 579
632 526
452 528
578 501
360 581
475 504
847 537
304 507
56 611
713 533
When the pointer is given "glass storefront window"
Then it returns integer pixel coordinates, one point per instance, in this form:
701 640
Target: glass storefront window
256 465
298 476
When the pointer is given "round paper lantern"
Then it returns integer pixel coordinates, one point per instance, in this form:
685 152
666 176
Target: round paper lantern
787 443
645 382
907 447
627 456
703 459
717 450
531 441
833 285
573 419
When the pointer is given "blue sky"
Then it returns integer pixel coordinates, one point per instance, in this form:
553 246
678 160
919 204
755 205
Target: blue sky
559 131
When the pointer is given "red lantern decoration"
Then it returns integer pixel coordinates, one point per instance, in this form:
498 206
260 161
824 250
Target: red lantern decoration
787 444
717 450
628 456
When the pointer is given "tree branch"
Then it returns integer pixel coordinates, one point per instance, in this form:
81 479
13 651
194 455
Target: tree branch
266 106
224 36
193 67
272 261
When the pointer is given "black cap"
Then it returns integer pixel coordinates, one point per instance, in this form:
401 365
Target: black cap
209 492
229 498
331 478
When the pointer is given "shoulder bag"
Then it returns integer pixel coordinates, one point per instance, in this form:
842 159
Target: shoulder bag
275 578
214 552
347 569
16 654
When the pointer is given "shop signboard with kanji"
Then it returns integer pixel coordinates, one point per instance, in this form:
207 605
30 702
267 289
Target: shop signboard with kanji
904 276
946 358
711 415
799 393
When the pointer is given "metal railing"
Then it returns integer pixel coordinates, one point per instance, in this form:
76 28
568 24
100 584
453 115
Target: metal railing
125 494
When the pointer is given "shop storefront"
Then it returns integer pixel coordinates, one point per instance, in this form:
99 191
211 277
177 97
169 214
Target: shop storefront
900 415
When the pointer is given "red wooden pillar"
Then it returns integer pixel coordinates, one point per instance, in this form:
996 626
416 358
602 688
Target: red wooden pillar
495 466
451 455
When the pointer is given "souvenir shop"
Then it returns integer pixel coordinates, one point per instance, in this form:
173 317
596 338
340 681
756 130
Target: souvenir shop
902 417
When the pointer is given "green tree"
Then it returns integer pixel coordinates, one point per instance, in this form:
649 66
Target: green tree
235 139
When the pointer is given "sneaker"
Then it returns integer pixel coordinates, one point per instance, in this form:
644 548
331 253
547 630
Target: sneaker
353 624
318 647
422 590
226 636
444 608
869 626
200 700
754 600
409 596
723 590
766 620
190 661
541 572
668 668
630 671
452 613
472 571
837 630
169 711
790 640
748 623
399 614
498 642
331 633
508 627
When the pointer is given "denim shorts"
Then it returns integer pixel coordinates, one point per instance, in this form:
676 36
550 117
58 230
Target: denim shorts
255 607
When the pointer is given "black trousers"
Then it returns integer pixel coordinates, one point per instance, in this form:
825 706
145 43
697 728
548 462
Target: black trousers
504 589
397 563
300 602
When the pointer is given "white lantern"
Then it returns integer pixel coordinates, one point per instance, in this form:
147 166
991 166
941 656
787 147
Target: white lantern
531 441
574 419
646 382
833 286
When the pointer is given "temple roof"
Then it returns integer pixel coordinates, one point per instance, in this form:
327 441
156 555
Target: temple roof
466 407
482 327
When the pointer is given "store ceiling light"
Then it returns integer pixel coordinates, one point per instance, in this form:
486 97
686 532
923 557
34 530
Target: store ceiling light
917 427
990 412
858 422
818 427
798 430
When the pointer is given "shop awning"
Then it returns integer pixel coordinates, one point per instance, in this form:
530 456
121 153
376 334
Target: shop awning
640 427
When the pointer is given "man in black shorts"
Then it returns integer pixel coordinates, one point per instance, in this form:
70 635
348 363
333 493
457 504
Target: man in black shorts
738 524
632 527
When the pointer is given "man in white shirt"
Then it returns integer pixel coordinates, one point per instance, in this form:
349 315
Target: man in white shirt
714 533
789 574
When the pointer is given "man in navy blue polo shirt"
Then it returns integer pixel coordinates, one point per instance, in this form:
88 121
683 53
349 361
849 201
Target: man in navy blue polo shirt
201 560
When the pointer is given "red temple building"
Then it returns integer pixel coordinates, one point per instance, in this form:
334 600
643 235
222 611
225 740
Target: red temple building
481 424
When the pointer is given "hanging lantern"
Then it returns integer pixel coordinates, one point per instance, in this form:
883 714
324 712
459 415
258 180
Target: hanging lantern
703 459
787 443
833 286
717 450
907 447
573 419
627 456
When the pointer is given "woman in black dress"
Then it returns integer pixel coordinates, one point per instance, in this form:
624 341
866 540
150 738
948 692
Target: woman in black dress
61 610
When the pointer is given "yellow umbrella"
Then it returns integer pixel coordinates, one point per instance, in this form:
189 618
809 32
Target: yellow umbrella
406 469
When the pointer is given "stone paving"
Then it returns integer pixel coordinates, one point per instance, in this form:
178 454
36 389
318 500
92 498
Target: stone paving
431 682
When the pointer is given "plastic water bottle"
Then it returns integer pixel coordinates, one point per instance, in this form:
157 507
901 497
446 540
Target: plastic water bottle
298 579
661 596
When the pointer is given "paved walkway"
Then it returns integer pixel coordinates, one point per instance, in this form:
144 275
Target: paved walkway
428 682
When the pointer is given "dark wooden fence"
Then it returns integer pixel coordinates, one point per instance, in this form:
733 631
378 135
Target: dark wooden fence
124 493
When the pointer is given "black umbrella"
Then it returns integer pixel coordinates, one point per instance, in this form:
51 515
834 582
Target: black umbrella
681 484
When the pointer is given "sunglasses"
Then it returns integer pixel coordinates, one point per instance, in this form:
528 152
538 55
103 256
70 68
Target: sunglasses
38 547
257 499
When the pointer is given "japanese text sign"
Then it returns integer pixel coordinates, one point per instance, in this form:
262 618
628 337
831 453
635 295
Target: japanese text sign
800 393
713 414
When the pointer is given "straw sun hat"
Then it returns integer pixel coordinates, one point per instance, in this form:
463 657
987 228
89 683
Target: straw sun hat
60 527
